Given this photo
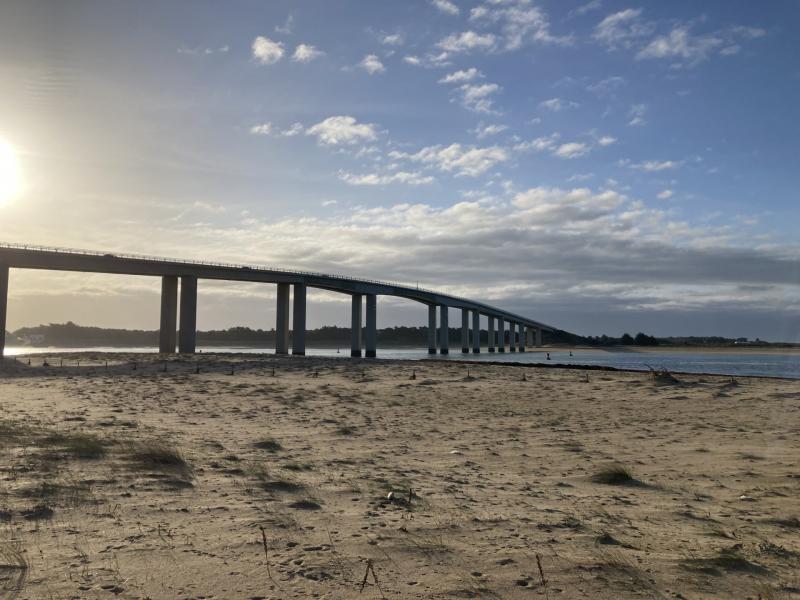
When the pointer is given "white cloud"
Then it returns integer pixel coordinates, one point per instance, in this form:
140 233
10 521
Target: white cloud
306 53
636 115
607 86
412 60
467 41
462 76
293 130
465 161
540 144
446 6
372 64
622 29
342 130
410 178
572 150
681 44
483 131
266 51
203 51
329 203
394 39
652 166
585 8
607 140
520 24
557 104
665 195
287 28
477 97
263 129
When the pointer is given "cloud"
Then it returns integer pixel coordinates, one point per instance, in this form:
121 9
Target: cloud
263 129
266 51
467 41
520 24
585 8
636 115
293 130
572 150
653 166
410 178
607 140
203 51
622 29
607 86
483 131
681 44
557 104
540 144
394 39
464 161
305 53
287 28
372 64
665 195
338 130
462 76
477 97
446 6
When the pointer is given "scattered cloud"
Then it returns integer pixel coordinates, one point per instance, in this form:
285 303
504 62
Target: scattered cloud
394 39
557 104
636 115
665 195
288 26
203 51
410 178
652 166
467 41
606 140
305 53
338 130
483 131
585 8
622 29
293 130
520 23
266 51
572 150
446 6
681 45
462 76
477 98
372 64
464 161
607 86
263 129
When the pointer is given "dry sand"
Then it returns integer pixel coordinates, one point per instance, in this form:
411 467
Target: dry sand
498 470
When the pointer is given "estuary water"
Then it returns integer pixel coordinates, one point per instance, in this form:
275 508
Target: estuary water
733 362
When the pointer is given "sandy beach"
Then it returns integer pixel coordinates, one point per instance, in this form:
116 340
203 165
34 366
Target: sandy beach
244 478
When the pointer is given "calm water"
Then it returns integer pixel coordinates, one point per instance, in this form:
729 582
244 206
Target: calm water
739 363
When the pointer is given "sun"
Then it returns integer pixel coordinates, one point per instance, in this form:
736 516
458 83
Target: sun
10 176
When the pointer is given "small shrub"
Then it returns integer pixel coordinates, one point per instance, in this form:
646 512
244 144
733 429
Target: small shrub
614 475
158 456
269 444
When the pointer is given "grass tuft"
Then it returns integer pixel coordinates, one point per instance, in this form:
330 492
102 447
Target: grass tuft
269 444
614 474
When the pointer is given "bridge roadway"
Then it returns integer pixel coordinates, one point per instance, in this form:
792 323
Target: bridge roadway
521 330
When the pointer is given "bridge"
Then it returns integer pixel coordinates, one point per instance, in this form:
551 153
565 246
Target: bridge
184 274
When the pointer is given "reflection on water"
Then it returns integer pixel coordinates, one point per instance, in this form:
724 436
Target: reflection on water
775 365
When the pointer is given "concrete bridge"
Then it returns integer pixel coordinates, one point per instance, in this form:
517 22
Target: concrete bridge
183 275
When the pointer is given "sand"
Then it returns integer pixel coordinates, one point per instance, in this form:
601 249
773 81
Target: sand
489 474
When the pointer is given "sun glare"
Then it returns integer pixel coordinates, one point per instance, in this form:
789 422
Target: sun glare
10 178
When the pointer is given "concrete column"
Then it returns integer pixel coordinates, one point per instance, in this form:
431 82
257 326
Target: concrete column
282 320
464 331
3 306
528 336
476 332
521 339
538 334
355 326
490 338
512 336
501 335
431 329
299 320
444 331
372 326
187 332
169 315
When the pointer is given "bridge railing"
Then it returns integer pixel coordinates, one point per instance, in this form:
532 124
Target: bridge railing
252 267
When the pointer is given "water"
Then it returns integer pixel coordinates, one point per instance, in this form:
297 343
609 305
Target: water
722 362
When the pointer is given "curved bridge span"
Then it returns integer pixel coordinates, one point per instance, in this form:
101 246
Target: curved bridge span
183 274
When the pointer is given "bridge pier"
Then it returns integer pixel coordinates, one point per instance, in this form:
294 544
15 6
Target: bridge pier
299 320
538 335
187 335
355 326
371 334
431 329
476 332
169 315
444 331
490 340
512 336
3 306
501 335
521 336
465 331
282 320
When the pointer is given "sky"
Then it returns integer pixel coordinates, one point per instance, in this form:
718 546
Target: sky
601 166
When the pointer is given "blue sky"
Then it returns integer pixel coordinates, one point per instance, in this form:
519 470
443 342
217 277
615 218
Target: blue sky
603 165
